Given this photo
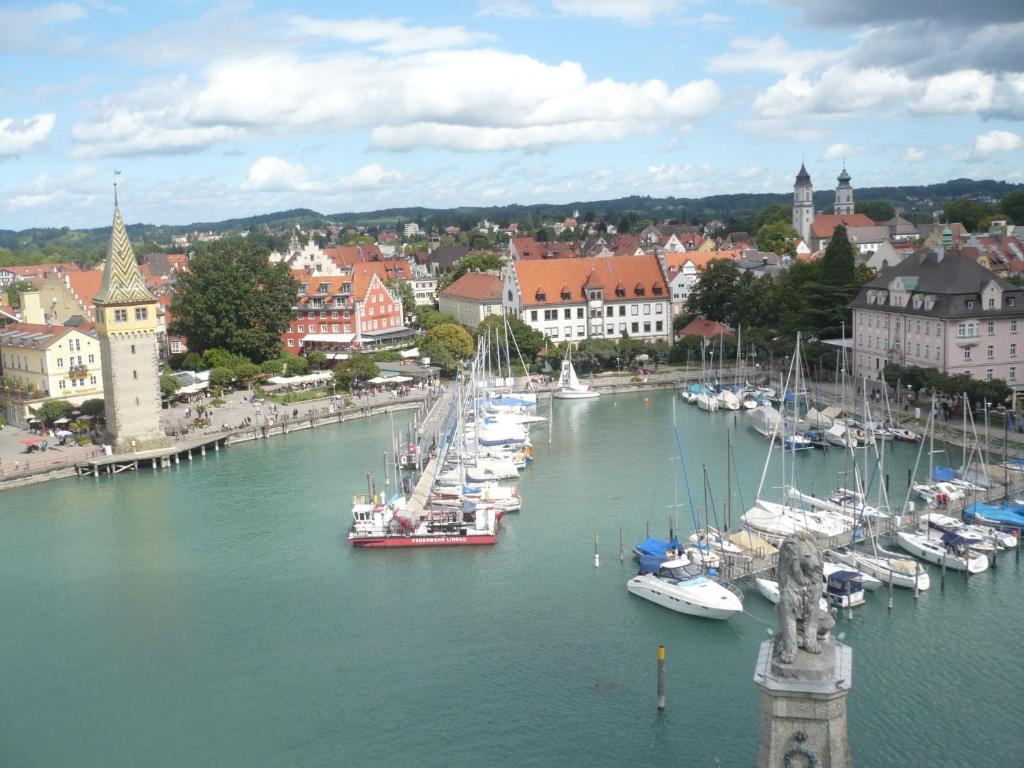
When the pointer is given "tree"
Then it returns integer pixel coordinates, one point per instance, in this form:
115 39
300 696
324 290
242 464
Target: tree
221 377
94 406
317 359
52 410
403 290
15 289
428 317
623 226
527 339
778 237
232 297
292 365
876 210
966 212
168 384
450 337
194 362
838 263
774 214
1012 206
356 368
714 295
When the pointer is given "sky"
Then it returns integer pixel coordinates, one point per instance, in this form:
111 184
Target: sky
233 109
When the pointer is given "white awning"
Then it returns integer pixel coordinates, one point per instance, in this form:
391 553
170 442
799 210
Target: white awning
311 378
397 379
330 338
409 353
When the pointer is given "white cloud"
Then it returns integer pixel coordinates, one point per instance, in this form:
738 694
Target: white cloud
986 144
469 100
273 174
20 28
628 11
913 155
512 9
750 172
16 137
771 54
388 35
841 151
963 92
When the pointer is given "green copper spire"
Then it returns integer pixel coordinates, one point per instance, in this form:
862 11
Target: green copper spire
122 281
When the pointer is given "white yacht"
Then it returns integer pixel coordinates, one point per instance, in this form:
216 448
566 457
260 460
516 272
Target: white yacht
571 388
885 566
955 550
682 587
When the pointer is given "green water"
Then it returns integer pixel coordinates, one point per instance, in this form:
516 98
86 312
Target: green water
214 615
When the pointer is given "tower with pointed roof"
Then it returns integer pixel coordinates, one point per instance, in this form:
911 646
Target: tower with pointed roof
803 204
126 323
844 194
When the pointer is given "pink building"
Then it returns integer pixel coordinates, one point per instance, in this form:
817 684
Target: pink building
940 309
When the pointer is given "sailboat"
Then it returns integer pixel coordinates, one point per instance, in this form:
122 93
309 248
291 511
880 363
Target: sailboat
569 387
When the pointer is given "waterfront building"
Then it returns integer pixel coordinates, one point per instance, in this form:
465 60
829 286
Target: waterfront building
683 271
529 249
472 298
582 298
424 289
940 309
40 362
127 326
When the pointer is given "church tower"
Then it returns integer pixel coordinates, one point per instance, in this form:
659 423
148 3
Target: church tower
844 194
803 205
126 322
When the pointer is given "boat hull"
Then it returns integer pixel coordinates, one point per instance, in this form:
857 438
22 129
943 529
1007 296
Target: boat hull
918 546
562 394
426 540
720 606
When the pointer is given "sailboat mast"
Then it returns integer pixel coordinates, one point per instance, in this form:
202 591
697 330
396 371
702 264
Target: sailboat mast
728 482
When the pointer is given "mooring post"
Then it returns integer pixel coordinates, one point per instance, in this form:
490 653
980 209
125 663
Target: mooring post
942 578
622 555
890 587
661 678
190 454
597 557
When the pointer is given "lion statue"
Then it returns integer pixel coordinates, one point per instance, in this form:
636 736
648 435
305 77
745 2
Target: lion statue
802 623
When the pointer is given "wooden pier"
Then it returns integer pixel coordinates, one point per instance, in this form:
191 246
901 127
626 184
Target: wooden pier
161 458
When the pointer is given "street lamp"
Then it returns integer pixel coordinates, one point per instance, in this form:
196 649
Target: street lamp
618 368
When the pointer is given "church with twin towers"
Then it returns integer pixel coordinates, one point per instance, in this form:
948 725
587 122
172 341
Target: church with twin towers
803 201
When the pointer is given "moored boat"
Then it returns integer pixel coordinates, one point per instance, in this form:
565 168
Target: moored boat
683 587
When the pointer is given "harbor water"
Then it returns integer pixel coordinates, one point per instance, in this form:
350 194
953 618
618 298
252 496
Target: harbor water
213 614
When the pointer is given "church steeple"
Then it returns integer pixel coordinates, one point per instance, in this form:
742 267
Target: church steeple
803 204
122 280
844 194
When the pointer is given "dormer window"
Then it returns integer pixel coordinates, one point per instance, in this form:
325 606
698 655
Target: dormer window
1010 302
303 287
871 297
917 302
991 302
620 290
639 289
540 295
657 289
324 288
565 293
970 303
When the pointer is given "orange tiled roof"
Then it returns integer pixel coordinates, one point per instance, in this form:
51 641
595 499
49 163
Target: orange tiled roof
86 285
548 278
475 286
347 255
52 333
825 223
706 328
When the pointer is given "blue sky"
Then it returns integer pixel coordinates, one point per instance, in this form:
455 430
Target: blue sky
218 110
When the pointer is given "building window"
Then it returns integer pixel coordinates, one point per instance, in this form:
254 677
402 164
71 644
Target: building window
622 311
60 362
635 327
1013 326
659 326
580 330
1013 350
92 358
967 353
568 331
635 310
567 313
92 380
1010 302
610 330
647 327
661 309
301 329
970 303
533 315
990 352
133 349
1013 373
135 374
120 315
991 328
141 313
62 384
647 309
988 374
991 302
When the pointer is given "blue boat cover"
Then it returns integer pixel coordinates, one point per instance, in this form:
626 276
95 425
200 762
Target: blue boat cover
952 538
1006 515
841 577
943 474
655 546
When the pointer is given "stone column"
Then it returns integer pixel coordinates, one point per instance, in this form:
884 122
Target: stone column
803 707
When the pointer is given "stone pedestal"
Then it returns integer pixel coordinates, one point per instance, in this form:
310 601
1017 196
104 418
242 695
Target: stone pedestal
803 708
